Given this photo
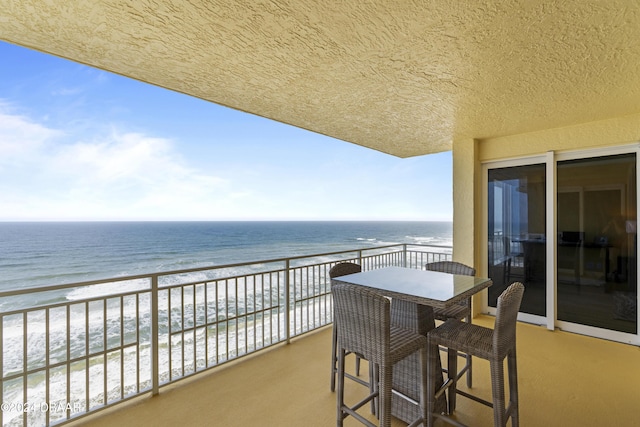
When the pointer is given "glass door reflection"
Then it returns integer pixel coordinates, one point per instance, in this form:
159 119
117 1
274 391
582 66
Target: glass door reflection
517 239
596 249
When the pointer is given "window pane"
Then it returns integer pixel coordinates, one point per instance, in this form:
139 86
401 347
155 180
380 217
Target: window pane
596 252
517 226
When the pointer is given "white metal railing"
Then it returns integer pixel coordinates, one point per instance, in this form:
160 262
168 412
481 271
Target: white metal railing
73 349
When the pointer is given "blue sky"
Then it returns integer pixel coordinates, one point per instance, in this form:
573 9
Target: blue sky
77 143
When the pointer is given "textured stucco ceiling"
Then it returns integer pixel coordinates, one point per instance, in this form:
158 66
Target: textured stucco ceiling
403 77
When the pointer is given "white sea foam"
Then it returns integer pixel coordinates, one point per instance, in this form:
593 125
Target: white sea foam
431 240
97 291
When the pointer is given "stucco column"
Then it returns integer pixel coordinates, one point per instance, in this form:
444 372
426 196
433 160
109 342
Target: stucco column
464 196
466 206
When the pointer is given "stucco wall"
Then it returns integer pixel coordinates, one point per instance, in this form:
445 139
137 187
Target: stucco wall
617 131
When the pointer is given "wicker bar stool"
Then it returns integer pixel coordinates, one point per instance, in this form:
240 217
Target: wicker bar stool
364 327
460 311
493 345
342 269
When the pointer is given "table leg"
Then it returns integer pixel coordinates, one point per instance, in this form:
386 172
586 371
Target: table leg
406 373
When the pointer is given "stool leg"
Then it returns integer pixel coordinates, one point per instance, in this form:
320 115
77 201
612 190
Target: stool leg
432 367
452 374
513 387
384 395
497 392
468 361
334 358
340 397
373 388
424 387
469 365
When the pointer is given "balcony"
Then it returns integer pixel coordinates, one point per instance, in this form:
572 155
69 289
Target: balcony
216 346
564 380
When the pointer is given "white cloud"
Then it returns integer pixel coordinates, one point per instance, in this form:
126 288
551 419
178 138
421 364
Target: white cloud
118 176
21 138
69 91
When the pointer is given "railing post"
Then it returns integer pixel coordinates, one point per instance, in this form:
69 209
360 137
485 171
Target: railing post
155 339
404 254
287 301
360 257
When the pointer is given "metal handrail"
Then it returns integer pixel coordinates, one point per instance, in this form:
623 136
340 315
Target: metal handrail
163 331
22 291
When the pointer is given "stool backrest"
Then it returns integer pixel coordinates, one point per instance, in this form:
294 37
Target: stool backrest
504 332
451 267
344 268
362 321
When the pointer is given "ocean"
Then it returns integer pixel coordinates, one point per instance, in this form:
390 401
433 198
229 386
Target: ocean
34 254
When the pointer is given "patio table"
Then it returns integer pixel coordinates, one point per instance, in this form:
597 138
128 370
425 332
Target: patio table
426 289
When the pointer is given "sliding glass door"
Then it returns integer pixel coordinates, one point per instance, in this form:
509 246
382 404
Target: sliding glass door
566 226
596 246
517 234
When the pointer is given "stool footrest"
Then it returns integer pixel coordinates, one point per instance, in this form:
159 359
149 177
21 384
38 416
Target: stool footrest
449 420
356 379
475 398
405 397
443 388
357 416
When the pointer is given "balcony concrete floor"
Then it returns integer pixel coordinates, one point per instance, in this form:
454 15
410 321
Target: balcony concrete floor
564 380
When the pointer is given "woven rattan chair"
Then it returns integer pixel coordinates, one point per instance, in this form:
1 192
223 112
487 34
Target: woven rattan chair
493 345
460 311
364 327
342 269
